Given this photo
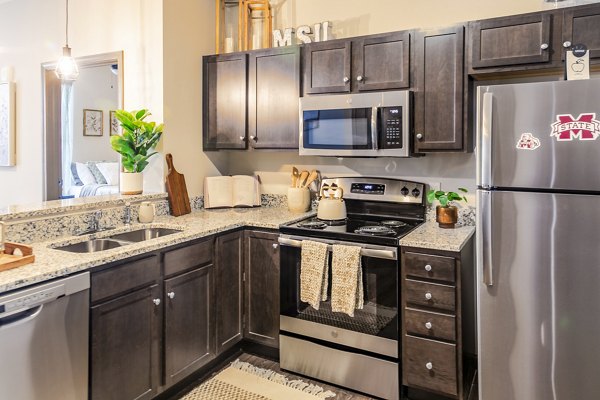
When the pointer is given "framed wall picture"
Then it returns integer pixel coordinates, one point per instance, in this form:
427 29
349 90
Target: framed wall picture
7 124
115 125
93 124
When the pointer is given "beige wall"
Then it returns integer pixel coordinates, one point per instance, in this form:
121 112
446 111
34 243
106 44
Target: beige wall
189 33
32 32
359 17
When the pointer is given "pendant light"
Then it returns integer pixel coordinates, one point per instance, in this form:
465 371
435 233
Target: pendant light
66 68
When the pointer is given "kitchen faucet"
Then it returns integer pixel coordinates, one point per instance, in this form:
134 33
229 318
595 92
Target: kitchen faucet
94 224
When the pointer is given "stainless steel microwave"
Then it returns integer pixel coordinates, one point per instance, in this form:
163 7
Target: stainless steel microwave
356 125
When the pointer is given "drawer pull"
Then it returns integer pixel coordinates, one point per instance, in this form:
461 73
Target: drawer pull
171 295
429 366
156 301
428 325
428 268
428 296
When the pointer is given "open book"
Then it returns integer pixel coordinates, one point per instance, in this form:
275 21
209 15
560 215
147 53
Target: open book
231 191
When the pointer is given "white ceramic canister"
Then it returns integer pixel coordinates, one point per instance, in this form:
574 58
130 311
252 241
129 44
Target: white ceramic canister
298 199
146 212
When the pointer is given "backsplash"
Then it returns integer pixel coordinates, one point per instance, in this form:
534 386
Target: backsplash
38 226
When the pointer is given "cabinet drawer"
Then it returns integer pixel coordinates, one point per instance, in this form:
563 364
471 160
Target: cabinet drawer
430 324
429 266
125 277
430 295
188 257
430 365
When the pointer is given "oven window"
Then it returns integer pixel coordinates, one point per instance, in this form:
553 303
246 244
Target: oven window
380 286
338 129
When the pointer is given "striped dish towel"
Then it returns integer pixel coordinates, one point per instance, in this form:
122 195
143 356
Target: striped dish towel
313 273
346 280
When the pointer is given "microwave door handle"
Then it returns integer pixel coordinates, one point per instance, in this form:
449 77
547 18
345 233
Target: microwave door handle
375 127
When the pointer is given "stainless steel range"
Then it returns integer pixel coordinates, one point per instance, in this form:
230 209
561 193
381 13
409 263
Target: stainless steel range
360 352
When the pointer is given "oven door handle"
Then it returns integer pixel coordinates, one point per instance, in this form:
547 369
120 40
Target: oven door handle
365 252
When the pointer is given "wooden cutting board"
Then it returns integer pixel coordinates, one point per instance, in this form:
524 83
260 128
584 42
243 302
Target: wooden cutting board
179 200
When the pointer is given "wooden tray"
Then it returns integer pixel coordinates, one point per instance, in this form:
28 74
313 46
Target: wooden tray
8 260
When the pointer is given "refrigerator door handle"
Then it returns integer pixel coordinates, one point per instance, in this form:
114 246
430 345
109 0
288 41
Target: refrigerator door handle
484 238
485 146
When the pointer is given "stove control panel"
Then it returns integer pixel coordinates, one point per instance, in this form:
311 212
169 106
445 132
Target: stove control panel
379 189
367 188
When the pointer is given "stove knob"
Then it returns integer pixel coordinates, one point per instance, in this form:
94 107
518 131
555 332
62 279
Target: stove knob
404 191
416 192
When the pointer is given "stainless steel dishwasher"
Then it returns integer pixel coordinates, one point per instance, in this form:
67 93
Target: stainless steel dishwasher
44 341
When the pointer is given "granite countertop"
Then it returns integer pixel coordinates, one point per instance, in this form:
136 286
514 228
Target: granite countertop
430 236
51 263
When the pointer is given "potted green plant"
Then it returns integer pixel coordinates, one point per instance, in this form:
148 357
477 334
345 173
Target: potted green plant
446 214
135 145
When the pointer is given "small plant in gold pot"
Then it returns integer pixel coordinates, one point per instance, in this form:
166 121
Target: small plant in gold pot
446 214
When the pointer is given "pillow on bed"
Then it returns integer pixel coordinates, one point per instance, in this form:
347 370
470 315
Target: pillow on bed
110 171
82 174
96 172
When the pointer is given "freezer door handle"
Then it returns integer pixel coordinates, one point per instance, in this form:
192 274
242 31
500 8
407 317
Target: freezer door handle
484 222
485 114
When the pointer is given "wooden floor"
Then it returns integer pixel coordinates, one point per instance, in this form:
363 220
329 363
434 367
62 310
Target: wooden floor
341 394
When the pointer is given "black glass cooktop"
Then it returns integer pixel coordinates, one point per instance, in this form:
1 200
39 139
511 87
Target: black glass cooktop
357 228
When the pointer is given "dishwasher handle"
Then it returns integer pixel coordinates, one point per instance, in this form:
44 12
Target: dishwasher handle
20 317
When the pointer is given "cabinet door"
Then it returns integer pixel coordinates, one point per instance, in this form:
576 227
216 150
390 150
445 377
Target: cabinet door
520 39
581 25
326 67
273 95
124 354
381 63
438 94
262 288
188 323
229 289
224 101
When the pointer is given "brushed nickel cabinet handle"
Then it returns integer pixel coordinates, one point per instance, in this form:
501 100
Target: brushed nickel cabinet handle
171 295
156 302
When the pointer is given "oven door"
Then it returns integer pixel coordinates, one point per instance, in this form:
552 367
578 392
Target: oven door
373 329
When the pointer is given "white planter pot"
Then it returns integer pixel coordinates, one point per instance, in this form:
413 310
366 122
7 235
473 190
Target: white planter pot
131 183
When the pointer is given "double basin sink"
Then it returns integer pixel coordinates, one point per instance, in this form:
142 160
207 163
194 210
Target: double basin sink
117 240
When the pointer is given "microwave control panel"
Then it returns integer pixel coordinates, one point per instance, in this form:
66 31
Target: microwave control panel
391 127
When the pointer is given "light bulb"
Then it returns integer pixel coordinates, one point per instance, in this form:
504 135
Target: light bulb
66 68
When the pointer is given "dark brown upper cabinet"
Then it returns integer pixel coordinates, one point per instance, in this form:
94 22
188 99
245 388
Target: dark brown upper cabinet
581 25
378 62
224 101
273 97
520 39
439 74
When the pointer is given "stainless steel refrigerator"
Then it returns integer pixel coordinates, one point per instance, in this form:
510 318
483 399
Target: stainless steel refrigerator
538 250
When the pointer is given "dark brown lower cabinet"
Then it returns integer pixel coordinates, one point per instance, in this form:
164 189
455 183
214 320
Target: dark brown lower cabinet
262 288
438 320
124 344
229 289
188 321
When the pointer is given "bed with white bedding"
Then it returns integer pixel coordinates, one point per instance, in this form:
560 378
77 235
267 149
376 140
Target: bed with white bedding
94 178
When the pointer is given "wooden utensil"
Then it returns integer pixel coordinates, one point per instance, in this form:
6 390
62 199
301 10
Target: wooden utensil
295 175
179 200
311 178
303 178
9 260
